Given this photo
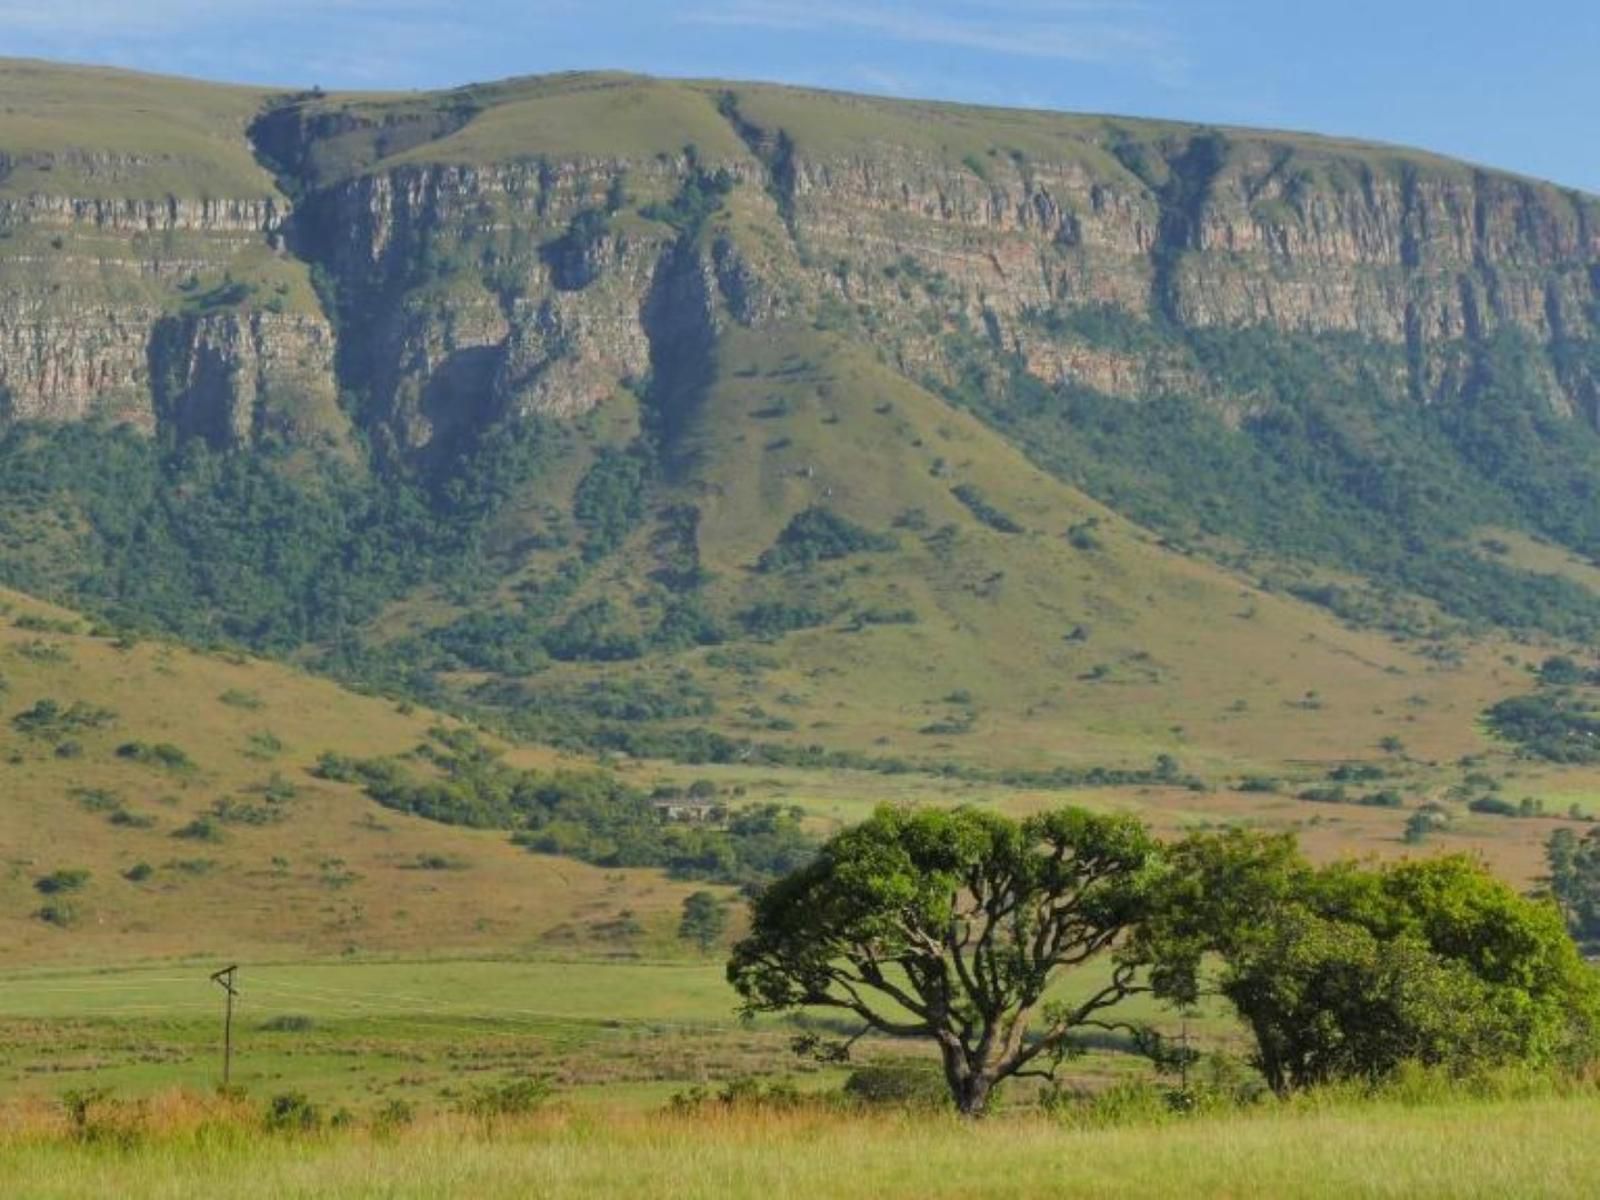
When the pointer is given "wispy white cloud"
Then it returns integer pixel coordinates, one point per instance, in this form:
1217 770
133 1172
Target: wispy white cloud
1082 31
152 20
358 42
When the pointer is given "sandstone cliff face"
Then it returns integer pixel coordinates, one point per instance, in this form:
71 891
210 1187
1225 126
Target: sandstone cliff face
234 378
104 313
466 293
537 283
76 361
1259 235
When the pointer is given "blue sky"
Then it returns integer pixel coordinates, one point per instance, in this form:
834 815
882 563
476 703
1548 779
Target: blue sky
1513 85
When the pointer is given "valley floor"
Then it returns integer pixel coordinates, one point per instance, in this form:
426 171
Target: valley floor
359 1035
1513 1149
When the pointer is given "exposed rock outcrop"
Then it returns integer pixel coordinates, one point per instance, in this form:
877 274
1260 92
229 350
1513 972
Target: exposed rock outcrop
470 285
233 378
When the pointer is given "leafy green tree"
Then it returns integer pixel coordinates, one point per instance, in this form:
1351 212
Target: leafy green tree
1347 972
818 534
1574 880
952 925
704 921
1560 671
1418 826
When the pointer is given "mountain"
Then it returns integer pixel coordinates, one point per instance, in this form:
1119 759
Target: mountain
737 422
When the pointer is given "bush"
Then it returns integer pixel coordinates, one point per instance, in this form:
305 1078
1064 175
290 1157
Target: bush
161 754
1558 726
881 615
1325 795
65 879
910 1083
818 534
1356 773
1387 798
1560 671
745 1093
1081 536
393 1115
201 829
50 720
95 1118
978 505
438 862
60 913
772 619
609 500
591 634
230 810
1494 806
292 1112
97 800
514 1098
124 819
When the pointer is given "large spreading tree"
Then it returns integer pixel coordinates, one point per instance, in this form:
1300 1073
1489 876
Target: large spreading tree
953 925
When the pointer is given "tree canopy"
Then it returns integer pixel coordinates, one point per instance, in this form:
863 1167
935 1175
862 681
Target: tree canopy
1347 971
952 925
1574 880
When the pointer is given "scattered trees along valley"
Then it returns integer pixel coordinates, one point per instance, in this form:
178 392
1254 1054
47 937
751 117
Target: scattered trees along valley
590 815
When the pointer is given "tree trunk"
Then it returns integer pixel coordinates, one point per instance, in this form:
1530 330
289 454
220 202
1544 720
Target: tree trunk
973 1096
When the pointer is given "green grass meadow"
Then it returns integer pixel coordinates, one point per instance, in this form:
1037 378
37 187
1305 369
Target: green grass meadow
357 1035
1520 1149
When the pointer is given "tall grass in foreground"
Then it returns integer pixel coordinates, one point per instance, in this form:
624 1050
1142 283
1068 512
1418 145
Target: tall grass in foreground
1417 1141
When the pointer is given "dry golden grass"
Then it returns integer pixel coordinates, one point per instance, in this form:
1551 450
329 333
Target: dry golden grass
1455 1149
337 874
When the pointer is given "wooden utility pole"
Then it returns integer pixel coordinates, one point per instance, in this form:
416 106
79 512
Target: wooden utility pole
225 980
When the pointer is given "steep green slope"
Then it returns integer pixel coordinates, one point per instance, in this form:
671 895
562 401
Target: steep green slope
826 555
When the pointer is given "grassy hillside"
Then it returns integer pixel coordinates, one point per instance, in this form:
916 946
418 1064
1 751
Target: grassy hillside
186 782
104 133
1077 639
248 854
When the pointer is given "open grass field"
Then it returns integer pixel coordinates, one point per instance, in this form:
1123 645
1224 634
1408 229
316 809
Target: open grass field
1485 1150
359 1034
